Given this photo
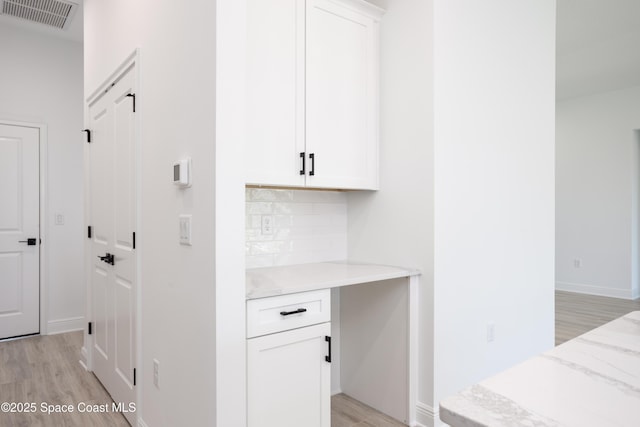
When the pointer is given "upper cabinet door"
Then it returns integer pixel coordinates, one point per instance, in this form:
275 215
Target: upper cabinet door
341 96
275 92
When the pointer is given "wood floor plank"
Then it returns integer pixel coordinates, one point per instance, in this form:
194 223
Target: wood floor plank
46 369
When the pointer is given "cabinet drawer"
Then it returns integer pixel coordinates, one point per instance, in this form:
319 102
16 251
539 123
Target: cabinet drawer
283 312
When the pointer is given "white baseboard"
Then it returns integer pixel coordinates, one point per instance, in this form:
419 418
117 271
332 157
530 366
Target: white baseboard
595 290
65 325
427 416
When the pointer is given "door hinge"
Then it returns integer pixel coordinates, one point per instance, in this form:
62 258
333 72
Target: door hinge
90 328
88 135
134 376
134 240
89 232
133 95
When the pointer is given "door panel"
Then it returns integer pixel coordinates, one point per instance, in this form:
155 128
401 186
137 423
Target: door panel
112 217
340 99
19 221
289 378
275 92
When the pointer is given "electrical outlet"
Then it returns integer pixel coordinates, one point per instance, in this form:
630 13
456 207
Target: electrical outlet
267 224
577 263
156 373
491 330
59 219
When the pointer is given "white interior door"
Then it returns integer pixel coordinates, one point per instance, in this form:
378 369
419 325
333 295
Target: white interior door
112 220
19 222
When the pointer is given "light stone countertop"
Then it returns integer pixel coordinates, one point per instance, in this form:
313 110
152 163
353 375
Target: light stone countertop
271 281
590 381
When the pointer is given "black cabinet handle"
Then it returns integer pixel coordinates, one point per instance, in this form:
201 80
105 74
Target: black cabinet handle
312 157
302 170
328 340
287 313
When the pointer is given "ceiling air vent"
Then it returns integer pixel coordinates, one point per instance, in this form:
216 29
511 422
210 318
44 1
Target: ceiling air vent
54 13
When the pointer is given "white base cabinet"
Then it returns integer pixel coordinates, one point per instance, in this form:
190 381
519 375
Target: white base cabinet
289 379
289 360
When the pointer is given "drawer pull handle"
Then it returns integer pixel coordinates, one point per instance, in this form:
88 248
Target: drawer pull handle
287 313
328 340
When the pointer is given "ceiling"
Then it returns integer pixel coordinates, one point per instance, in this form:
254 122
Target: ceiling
598 43
598 46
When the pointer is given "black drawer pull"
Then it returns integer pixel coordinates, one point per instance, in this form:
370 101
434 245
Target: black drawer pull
286 313
328 340
302 168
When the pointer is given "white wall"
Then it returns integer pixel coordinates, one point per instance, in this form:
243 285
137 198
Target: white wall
494 186
183 111
395 225
597 192
42 83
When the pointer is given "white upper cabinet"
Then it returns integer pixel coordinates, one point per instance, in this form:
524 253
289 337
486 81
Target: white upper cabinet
275 88
313 93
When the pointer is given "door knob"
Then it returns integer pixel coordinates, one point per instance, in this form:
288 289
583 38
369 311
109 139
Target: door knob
30 241
108 258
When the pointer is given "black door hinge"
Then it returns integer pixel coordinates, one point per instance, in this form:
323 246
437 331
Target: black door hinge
89 232
134 376
134 240
90 328
133 95
88 135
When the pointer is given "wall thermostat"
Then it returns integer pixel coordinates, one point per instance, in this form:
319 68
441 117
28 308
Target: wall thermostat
182 173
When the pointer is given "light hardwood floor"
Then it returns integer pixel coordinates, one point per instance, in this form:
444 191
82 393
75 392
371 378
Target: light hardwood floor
46 369
579 313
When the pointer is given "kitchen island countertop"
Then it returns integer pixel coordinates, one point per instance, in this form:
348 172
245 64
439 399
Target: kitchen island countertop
590 381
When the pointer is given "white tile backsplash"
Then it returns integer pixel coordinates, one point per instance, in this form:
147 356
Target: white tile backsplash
308 226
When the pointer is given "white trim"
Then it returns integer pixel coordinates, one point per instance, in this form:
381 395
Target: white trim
43 148
363 7
595 290
412 348
132 59
60 326
83 357
428 416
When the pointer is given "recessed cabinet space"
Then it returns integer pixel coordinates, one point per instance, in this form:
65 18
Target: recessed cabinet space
312 93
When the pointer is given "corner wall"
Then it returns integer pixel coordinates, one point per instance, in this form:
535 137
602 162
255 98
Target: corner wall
494 186
177 107
42 83
597 192
395 224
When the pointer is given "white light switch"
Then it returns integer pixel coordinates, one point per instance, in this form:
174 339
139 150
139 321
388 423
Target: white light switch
185 230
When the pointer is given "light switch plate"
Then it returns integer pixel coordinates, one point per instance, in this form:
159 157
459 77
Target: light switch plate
185 230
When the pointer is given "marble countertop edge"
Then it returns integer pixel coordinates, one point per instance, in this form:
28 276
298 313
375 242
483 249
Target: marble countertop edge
281 280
